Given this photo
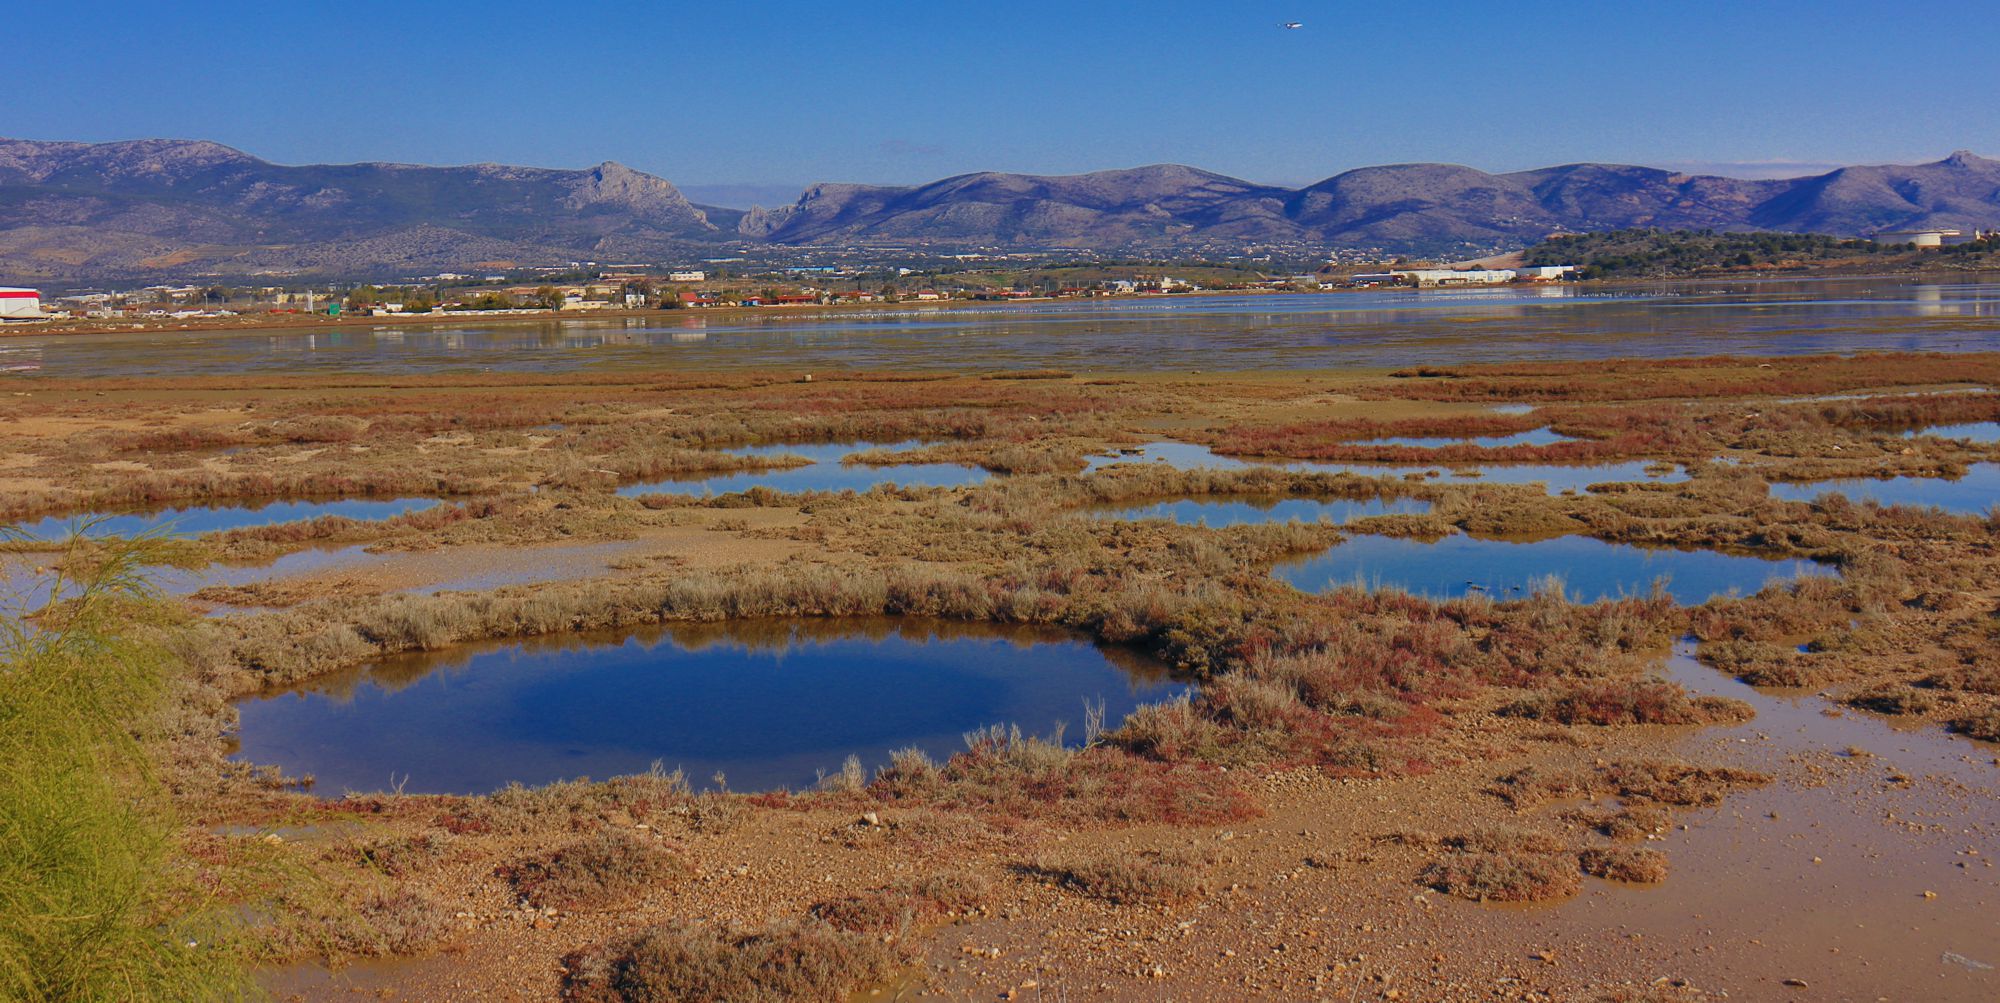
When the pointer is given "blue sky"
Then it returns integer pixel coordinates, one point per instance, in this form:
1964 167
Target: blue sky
783 93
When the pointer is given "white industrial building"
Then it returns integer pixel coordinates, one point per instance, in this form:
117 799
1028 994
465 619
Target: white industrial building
20 304
1918 238
1546 273
1431 278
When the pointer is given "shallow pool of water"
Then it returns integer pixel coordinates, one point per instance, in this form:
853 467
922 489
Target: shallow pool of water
826 472
1237 511
1976 493
196 520
1590 569
1543 436
1975 431
1558 477
766 703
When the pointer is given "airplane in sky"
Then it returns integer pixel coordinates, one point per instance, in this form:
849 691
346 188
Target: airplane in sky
1292 25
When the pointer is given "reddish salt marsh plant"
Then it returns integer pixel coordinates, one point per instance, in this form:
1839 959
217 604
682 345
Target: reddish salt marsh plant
1709 377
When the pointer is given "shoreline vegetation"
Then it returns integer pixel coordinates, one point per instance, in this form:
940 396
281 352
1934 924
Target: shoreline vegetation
1365 750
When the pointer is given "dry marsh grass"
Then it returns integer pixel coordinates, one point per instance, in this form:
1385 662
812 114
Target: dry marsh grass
897 908
689 961
1637 865
1508 876
597 870
1166 877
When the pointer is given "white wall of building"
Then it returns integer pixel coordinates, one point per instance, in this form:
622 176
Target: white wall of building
20 304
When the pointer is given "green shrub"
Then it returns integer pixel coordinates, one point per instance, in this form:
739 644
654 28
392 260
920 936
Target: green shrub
90 907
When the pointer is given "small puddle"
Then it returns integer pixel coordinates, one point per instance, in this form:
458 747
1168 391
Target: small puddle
1976 493
1238 511
196 520
1589 569
1971 431
826 472
1557 477
766 703
1543 436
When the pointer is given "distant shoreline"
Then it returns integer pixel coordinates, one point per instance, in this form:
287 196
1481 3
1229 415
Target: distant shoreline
316 322
319 322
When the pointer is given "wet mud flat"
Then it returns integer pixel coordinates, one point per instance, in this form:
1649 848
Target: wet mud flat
1866 871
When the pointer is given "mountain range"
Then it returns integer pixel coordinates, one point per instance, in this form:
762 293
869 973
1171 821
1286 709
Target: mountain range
176 208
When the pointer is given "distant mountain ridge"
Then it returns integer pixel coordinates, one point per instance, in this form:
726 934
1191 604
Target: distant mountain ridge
172 207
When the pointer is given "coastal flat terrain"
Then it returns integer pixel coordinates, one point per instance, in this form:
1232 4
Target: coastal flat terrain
1755 758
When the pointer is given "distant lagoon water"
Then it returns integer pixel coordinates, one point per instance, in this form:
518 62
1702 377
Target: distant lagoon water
1369 328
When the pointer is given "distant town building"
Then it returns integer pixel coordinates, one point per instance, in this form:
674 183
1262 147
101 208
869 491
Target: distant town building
687 275
1546 273
20 304
1432 278
1920 238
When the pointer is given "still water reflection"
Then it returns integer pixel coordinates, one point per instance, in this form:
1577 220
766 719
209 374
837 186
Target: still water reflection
767 703
1589 569
1238 511
1557 477
1976 493
196 520
826 472
1263 332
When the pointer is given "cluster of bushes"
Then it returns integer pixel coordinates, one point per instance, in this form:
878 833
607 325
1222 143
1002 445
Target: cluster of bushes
1656 253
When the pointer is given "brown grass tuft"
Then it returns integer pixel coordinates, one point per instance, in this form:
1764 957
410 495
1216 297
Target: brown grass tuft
596 870
1636 864
1505 877
691 961
893 908
1151 877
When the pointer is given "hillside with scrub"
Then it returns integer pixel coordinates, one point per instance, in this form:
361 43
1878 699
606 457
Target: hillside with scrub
1651 253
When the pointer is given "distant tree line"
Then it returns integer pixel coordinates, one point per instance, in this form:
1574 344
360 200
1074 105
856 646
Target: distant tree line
1651 253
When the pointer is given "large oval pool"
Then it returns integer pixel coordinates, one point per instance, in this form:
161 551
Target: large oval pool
768 704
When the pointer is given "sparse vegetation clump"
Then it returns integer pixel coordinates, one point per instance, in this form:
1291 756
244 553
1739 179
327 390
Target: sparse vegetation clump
1639 865
689 961
895 908
1510 876
1148 877
596 870
1625 702
1636 783
1983 724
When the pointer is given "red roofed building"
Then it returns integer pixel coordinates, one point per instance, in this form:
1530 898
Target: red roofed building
20 304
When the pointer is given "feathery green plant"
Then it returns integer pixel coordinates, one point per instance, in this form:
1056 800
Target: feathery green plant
92 903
